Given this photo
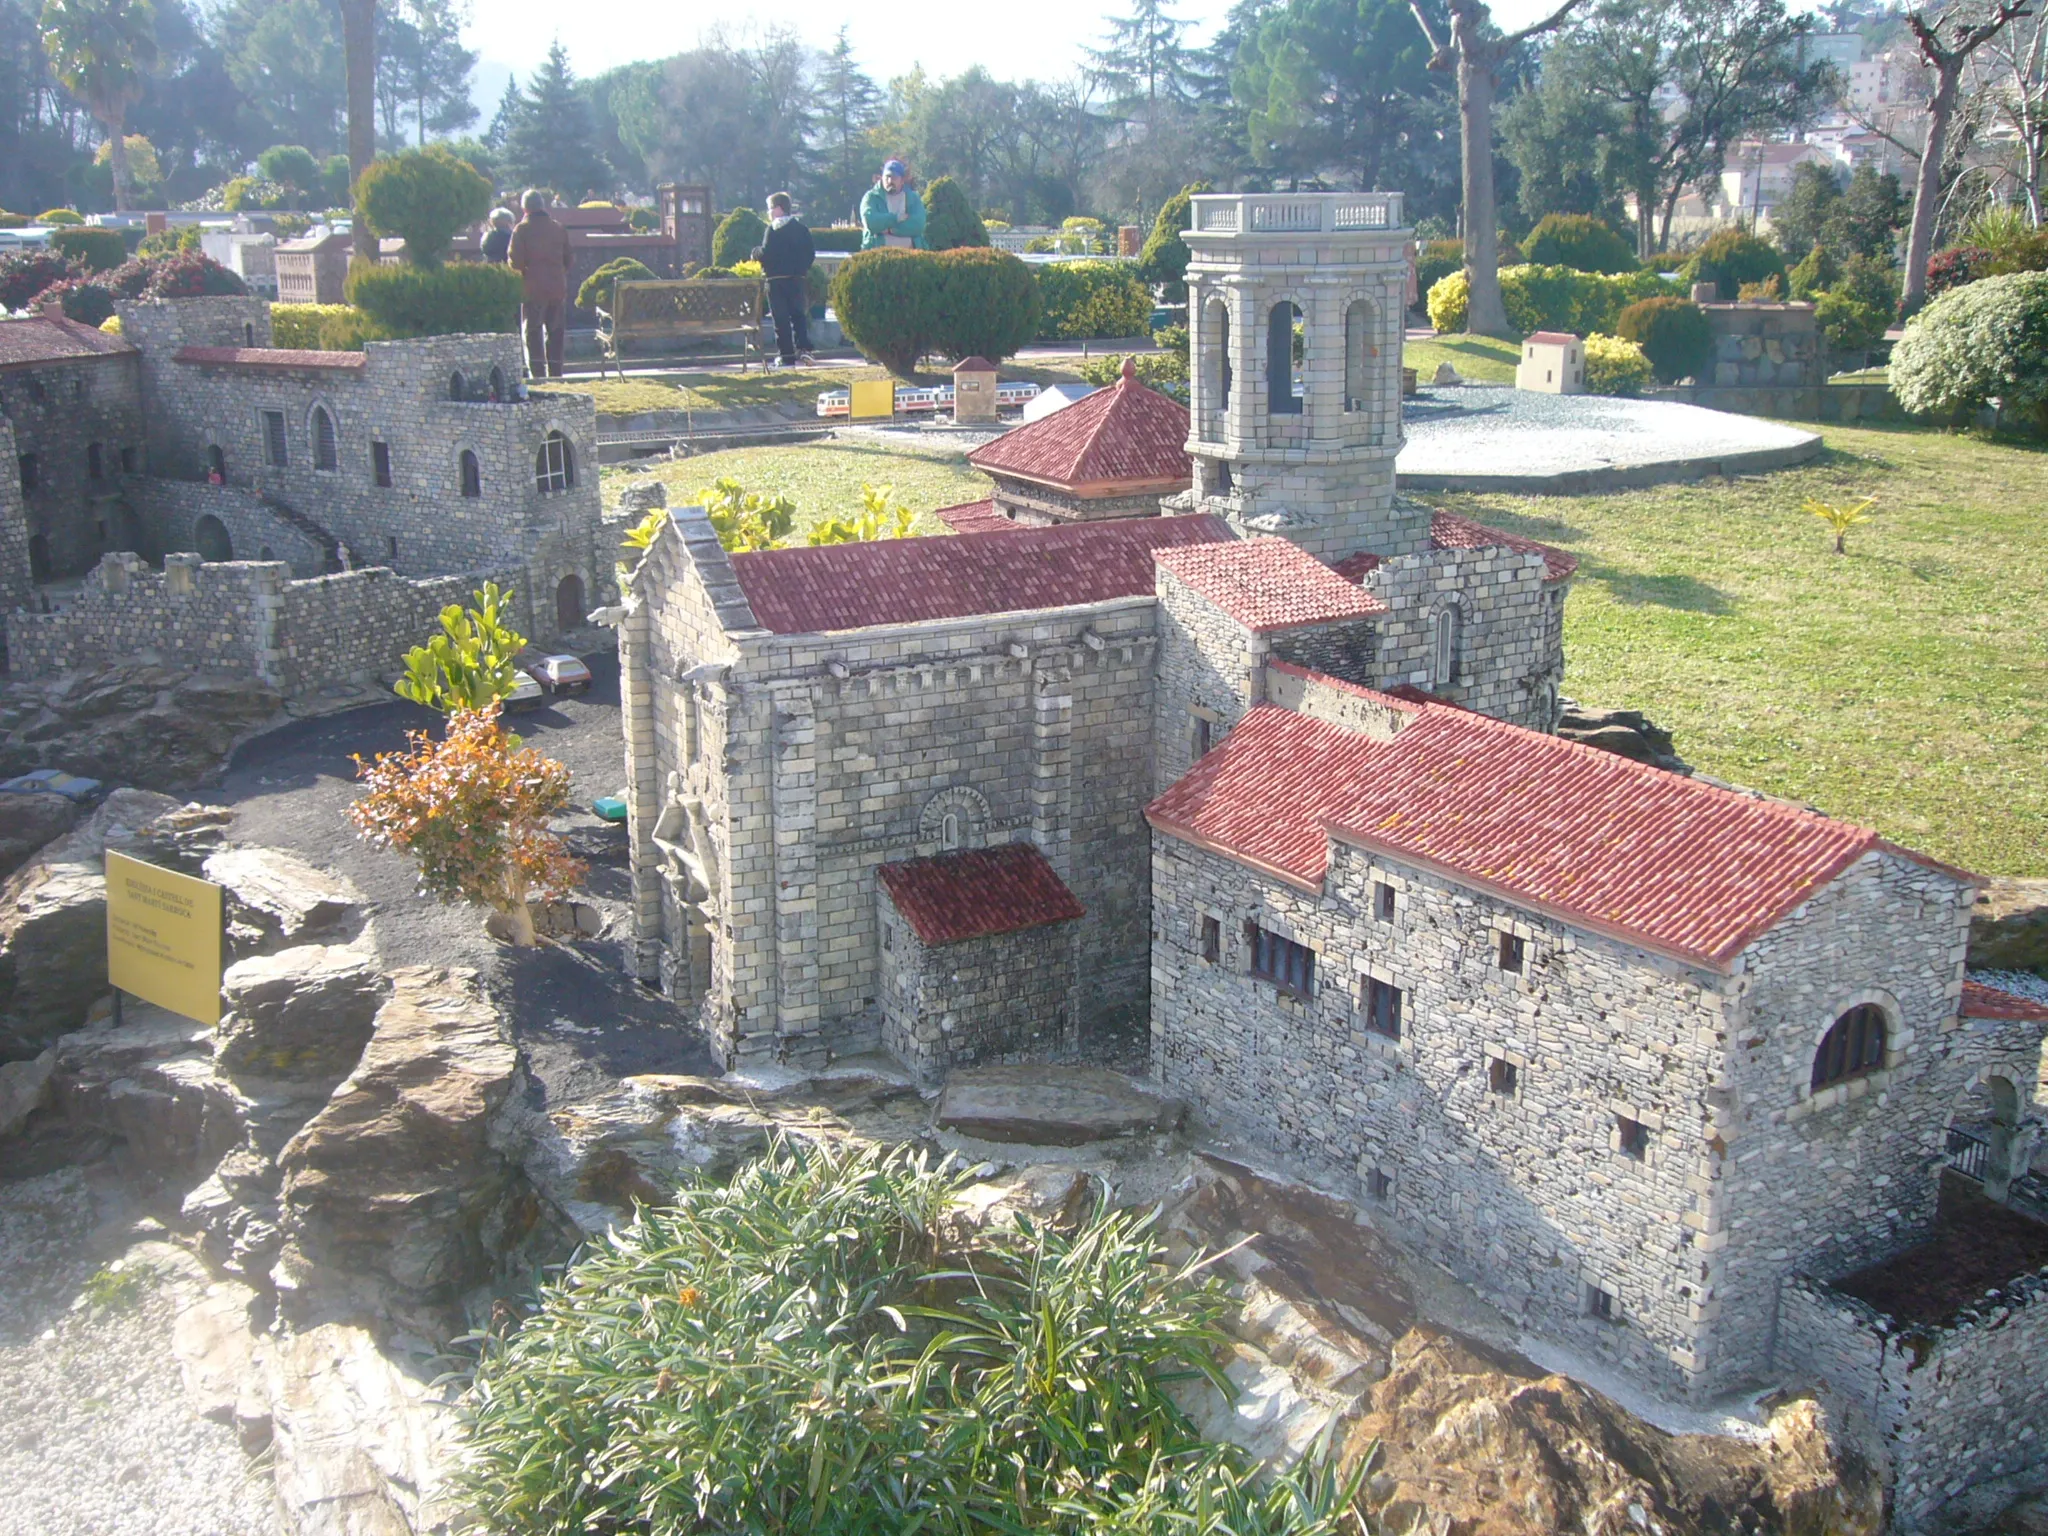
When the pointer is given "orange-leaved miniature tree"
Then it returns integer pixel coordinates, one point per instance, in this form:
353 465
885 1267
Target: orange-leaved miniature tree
472 810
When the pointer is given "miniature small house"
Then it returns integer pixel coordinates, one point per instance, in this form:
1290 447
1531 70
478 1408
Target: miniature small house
974 390
1553 363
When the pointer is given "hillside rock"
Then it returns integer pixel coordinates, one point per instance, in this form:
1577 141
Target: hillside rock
1053 1106
149 1080
404 1190
276 901
1624 732
24 1088
2009 927
1485 1445
29 823
137 722
301 1014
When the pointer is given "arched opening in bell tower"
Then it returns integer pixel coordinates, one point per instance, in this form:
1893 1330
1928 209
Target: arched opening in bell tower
1283 394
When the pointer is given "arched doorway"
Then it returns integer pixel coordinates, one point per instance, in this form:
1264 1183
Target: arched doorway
1982 1135
569 602
211 535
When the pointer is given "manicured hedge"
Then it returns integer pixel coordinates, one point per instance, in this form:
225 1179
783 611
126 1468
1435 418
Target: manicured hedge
1983 342
1578 240
1674 334
837 237
950 219
601 287
898 305
425 196
463 299
305 327
1083 300
1732 257
736 237
1550 298
98 250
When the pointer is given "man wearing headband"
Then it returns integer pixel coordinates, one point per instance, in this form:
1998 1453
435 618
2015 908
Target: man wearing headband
892 213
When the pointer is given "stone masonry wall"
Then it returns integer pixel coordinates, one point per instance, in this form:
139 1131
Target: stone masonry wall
1208 670
1958 1406
1767 345
1522 1187
1827 1183
1510 630
1006 997
356 626
220 617
170 511
15 585
60 411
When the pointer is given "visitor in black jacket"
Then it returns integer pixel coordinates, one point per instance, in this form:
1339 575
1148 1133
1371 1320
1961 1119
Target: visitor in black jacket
786 257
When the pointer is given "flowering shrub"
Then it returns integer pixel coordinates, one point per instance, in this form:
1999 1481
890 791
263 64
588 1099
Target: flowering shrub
1984 343
1615 366
24 274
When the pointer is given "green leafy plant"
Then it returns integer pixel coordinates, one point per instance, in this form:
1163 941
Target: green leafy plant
1674 334
1976 345
290 165
950 219
1437 260
1083 300
117 1286
1770 291
1731 257
97 250
1850 326
1817 272
1840 519
881 516
1578 240
1615 365
424 196
82 299
1164 258
787 1353
26 273
470 664
601 287
898 305
462 298
738 233
744 519
1540 298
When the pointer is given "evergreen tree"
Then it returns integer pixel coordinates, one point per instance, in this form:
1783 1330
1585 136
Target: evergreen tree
1144 60
549 140
848 105
423 69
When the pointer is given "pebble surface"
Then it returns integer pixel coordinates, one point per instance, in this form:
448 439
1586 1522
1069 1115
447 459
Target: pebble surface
97 1437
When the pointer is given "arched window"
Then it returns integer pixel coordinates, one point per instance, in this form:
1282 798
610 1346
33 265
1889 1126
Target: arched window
1361 356
1216 353
569 602
325 452
216 465
472 475
248 333
1853 1047
211 535
458 387
1282 398
554 467
949 830
1443 646
497 382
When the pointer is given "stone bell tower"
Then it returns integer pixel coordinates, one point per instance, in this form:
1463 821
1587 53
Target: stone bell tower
1301 449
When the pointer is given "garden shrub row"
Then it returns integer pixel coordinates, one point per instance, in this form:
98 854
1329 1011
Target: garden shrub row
898 305
465 298
1083 300
1550 298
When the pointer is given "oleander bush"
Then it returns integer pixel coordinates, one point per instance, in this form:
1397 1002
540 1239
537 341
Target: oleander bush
795 1351
1731 257
1615 365
1983 344
898 305
191 275
97 250
26 273
1081 300
425 197
87 302
463 298
1674 334
1578 240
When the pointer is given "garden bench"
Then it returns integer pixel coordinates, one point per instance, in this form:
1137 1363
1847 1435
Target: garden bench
672 312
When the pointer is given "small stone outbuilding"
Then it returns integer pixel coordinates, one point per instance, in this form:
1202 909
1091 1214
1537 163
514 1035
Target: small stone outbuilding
1552 363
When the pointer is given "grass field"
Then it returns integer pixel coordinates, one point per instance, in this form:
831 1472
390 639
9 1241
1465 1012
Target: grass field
824 479
1482 359
745 391
1904 685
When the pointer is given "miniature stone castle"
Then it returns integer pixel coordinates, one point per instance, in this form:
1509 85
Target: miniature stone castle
1270 770
301 515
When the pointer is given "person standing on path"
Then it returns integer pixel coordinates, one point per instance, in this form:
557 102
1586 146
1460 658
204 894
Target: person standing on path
540 253
786 257
892 213
498 239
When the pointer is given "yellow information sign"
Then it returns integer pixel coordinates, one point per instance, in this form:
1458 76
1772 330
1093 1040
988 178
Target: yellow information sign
871 397
164 937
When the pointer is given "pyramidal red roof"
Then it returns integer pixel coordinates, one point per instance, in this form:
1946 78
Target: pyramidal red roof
1267 584
976 517
54 339
1124 433
906 581
1607 844
978 892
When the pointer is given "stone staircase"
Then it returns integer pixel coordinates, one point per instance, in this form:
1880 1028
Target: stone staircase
330 546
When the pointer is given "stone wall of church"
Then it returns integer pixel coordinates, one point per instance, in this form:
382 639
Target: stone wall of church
1510 637
78 435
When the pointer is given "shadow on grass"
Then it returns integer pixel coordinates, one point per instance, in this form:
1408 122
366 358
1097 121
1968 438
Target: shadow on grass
1634 589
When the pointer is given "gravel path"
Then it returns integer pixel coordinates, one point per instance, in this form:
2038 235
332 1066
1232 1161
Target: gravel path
97 1437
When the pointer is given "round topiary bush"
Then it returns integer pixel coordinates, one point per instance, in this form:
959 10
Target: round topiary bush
424 196
1732 257
738 233
897 305
1448 299
1673 333
97 250
290 165
467 298
1983 344
1578 240
60 216
601 287
1615 366
87 302
950 222
1085 300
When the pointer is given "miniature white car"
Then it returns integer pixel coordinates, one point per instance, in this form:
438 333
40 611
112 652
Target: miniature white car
560 673
526 692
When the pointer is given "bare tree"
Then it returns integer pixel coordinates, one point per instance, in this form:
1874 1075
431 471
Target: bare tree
2012 80
359 51
1476 51
1946 41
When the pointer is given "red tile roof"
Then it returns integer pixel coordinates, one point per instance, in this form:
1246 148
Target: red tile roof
1449 531
1606 844
978 892
268 357
976 517
1550 338
907 581
1124 433
1267 584
1357 567
1981 1001
53 339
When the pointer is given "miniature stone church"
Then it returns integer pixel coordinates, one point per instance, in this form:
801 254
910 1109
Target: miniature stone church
1196 723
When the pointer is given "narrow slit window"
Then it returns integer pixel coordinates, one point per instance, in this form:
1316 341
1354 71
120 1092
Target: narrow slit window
1382 1008
380 463
1383 901
1212 940
472 475
274 449
1282 397
326 451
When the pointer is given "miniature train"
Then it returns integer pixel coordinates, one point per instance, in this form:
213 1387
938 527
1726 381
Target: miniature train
913 401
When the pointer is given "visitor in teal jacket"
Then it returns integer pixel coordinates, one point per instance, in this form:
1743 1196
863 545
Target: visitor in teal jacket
892 213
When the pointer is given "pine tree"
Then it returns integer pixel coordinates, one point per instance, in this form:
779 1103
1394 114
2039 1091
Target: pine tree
423 69
848 105
1144 59
549 139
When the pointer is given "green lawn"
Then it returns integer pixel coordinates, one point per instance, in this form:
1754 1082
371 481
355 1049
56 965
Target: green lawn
742 391
1482 359
824 479
1904 685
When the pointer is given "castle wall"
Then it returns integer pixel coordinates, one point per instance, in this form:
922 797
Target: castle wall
59 411
170 510
1527 1194
15 586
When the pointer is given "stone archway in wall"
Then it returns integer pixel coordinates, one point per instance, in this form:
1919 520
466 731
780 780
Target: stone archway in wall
1983 1140
211 535
952 819
569 607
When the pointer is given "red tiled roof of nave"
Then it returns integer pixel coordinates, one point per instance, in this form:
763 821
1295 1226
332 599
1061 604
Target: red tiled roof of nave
976 517
1125 432
1447 530
54 339
1267 583
1615 846
977 892
907 581
268 357
1982 1001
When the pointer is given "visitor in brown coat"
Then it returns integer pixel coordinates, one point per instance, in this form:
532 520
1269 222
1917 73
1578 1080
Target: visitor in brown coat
540 253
